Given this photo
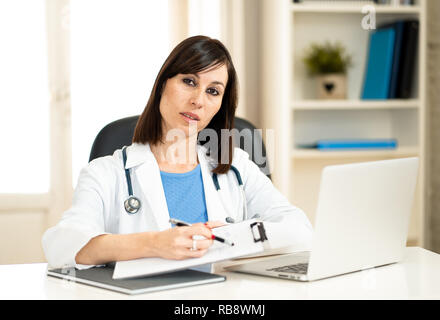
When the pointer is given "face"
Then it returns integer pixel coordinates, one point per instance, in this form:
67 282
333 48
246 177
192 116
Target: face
192 100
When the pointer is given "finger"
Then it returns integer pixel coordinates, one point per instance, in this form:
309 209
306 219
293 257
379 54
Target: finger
203 244
199 229
187 243
182 239
214 224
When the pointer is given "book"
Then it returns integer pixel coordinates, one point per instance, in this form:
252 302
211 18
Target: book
334 144
379 64
399 28
407 60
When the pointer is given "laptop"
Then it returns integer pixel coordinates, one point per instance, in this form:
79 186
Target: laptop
362 222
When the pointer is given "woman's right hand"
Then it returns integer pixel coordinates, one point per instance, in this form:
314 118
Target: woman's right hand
176 243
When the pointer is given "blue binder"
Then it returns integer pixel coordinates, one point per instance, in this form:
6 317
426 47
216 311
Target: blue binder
357 144
379 66
338 144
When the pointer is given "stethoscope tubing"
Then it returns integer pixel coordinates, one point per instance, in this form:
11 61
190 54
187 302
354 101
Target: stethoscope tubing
127 172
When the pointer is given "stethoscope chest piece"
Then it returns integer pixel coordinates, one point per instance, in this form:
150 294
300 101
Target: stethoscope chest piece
132 205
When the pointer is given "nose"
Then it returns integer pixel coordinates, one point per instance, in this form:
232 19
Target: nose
197 99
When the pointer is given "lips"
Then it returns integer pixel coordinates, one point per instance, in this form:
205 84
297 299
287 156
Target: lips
190 116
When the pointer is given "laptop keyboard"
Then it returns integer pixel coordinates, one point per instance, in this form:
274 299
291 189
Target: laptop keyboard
293 268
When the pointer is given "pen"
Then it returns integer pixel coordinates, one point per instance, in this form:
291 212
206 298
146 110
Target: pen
220 239
181 223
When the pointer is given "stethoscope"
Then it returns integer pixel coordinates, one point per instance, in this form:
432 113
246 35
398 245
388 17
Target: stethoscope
132 204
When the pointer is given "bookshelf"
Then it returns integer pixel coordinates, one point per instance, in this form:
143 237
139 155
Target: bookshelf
290 105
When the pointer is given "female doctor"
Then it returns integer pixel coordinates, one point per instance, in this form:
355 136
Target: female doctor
195 89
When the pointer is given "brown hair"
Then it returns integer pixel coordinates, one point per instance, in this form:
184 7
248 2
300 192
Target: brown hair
191 56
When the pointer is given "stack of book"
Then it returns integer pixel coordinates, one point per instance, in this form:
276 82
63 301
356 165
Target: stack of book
391 56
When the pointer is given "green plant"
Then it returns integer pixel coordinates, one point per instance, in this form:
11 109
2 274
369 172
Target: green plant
327 58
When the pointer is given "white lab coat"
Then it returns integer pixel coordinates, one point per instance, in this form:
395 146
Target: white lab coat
98 202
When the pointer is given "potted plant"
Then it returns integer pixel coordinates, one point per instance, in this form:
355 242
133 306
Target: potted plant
329 63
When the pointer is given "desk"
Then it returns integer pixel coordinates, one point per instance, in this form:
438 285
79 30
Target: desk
416 277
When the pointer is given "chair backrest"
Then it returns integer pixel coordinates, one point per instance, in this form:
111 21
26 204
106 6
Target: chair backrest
119 133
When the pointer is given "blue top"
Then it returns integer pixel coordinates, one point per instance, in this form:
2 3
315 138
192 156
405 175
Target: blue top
185 195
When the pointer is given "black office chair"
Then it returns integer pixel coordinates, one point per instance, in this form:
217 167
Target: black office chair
119 133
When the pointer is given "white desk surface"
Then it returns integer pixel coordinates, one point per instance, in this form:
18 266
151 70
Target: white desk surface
416 277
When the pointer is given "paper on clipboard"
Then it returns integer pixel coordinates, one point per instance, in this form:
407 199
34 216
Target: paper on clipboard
245 243
279 243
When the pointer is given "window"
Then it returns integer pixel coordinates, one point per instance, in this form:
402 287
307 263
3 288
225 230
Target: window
24 98
117 49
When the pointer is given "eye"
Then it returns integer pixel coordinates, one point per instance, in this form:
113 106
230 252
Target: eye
189 81
213 91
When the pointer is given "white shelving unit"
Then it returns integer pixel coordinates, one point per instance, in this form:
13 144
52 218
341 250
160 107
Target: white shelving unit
292 109
401 152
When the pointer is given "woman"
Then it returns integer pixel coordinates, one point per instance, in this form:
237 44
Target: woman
195 89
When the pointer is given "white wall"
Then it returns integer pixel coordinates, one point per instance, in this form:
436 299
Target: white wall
20 236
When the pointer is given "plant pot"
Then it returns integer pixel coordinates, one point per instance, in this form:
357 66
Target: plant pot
332 86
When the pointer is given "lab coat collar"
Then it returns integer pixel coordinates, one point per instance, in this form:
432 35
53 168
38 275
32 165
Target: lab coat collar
137 154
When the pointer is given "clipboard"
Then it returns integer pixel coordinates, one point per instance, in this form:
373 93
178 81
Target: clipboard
249 237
